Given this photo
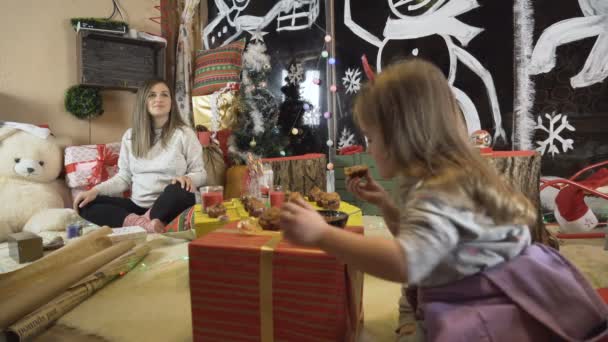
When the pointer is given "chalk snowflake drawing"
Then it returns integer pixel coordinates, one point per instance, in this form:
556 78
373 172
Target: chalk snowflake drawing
352 80
549 144
290 15
593 24
347 138
295 73
438 18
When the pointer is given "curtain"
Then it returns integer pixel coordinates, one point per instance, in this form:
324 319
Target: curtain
172 14
183 61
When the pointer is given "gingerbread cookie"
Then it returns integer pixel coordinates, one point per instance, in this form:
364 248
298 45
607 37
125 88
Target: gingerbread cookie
329 200
314 194
270 219
356 171
216 210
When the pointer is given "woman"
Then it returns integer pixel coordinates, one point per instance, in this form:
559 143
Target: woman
160 162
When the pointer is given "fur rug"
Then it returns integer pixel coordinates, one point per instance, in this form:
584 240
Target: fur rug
152 302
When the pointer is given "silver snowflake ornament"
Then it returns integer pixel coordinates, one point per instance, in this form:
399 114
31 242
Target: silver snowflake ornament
352 80
554 130
296 73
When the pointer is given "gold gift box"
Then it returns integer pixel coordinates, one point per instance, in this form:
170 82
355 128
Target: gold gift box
201 106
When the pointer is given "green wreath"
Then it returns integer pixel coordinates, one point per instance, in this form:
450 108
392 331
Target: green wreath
83 102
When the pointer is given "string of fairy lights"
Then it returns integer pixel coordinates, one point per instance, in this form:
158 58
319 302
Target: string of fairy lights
333 88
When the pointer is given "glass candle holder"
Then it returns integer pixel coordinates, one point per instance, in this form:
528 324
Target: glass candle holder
211 195
277 196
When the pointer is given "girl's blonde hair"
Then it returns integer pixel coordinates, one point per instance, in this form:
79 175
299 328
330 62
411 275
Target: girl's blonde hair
425 135
142 131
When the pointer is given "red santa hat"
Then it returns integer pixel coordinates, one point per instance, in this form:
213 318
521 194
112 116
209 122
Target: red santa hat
571 211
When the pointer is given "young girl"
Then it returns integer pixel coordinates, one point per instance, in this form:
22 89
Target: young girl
160 162
461 235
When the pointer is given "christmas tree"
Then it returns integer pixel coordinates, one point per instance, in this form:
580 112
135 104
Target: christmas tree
301 135
256 129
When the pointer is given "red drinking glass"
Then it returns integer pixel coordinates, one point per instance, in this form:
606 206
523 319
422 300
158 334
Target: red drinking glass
212 195
277 196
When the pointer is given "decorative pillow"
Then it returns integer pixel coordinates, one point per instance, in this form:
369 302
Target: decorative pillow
185 221
217 67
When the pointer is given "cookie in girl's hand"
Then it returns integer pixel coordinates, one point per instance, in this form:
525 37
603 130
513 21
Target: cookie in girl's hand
357 171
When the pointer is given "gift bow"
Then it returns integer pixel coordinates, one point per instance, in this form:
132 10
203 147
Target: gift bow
105 158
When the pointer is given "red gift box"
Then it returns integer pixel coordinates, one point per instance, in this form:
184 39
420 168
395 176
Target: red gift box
89 165
262 288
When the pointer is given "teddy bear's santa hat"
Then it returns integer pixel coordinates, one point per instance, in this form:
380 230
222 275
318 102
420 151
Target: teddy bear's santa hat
571 211
41 132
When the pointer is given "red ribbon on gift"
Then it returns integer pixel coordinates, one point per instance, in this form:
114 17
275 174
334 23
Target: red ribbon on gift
105 158
354 149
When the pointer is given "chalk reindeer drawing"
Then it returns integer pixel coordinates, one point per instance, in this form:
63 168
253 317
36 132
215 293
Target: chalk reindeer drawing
593 24
418 19
291 15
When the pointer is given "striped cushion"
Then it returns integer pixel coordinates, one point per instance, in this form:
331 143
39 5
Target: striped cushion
217 67
185 221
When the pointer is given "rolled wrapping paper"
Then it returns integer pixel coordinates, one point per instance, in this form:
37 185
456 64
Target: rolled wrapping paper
120 265
32 296
77 249
36 322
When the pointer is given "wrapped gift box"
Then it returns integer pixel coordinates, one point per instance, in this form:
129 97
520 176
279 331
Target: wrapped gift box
262 288
89 165
204 224
203 112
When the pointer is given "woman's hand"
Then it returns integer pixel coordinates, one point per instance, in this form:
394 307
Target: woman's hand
367 189
185 181
302 224
85 198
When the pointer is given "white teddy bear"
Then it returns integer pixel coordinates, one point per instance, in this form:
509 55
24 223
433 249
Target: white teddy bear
30 162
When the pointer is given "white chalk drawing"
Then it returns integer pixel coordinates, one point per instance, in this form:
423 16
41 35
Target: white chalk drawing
352 80
347 138
295 74
439 19
593 24
290 15
257 35
312 118
549 144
